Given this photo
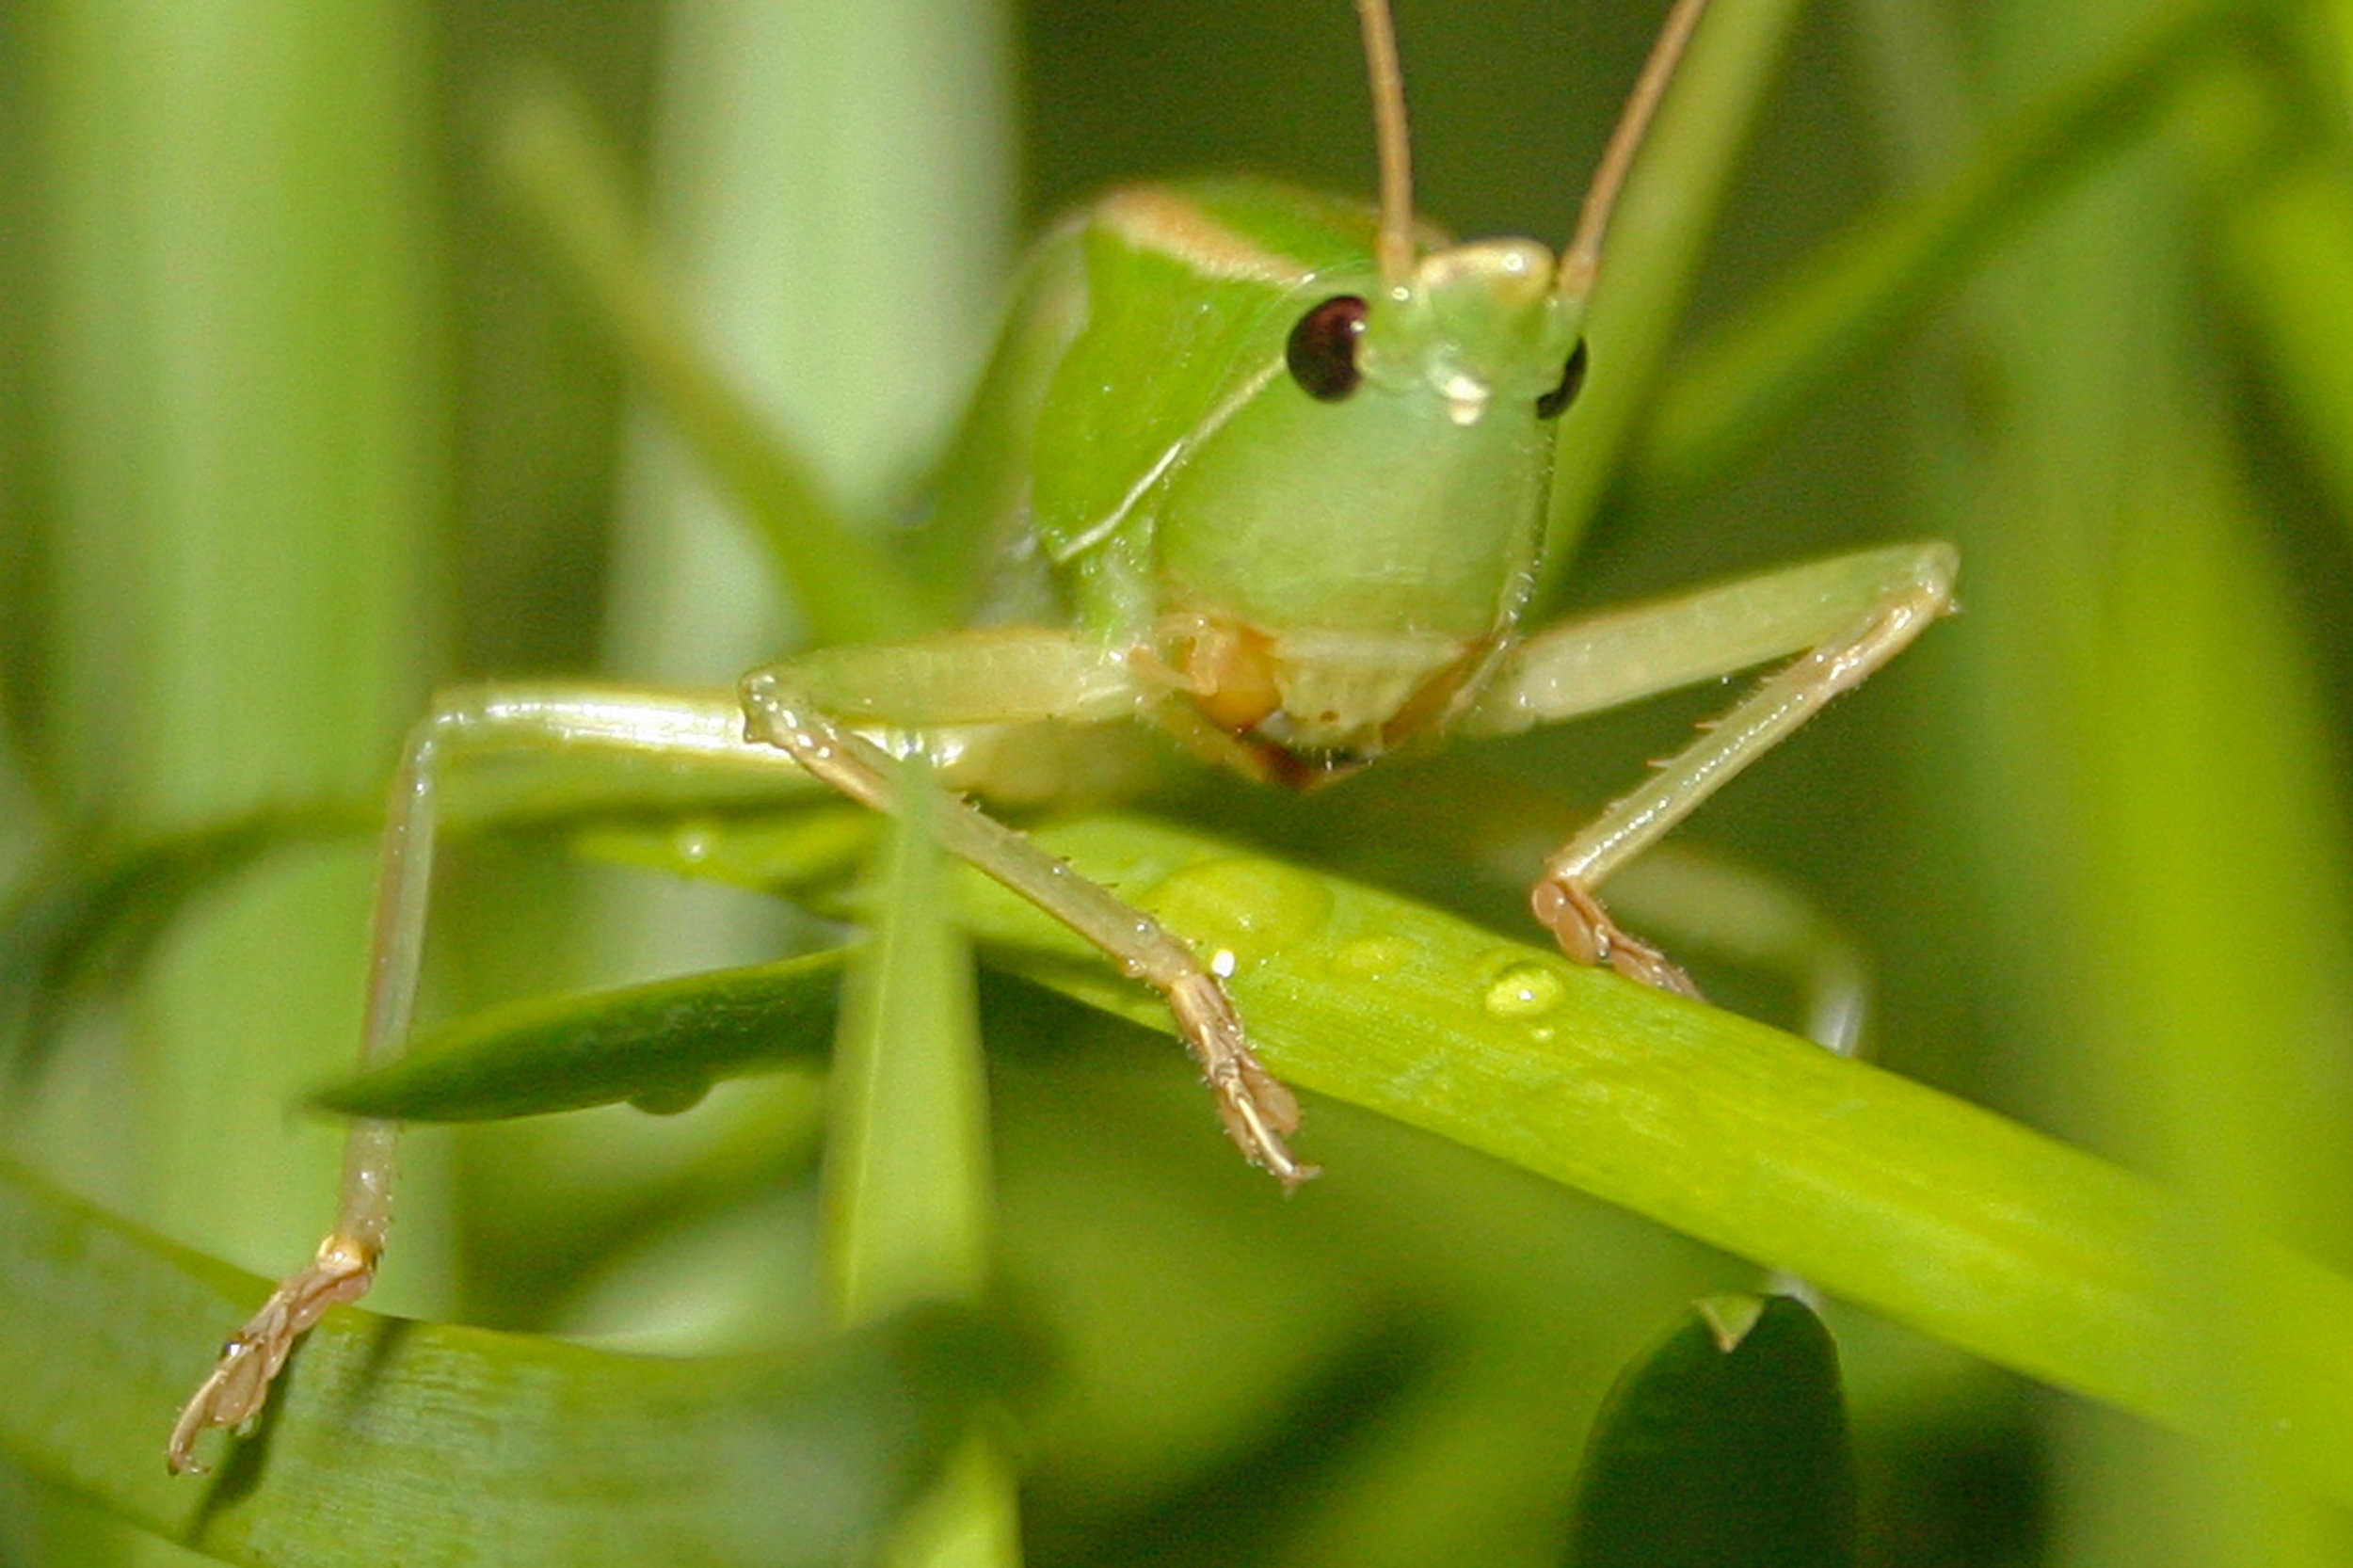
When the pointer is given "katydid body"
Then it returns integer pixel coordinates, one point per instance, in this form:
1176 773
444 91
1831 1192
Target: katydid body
1268 472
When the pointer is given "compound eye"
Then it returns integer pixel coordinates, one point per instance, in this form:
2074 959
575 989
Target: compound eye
1323 348
1551 405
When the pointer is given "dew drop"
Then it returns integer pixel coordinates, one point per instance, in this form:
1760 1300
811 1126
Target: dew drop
668 1099
1372 957
1525 990
1251 909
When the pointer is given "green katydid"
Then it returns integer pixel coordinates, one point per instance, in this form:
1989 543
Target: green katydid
1268 472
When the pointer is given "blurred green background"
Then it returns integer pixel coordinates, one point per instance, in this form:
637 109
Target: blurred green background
298 419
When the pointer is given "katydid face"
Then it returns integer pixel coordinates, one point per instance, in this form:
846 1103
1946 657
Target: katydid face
1350 512
1407 539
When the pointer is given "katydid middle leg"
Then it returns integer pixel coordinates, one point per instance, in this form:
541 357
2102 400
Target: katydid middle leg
1843 617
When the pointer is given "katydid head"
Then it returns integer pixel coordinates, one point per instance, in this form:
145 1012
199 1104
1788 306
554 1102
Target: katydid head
1351 536
1466 308
1366 519
1474 324
1344 547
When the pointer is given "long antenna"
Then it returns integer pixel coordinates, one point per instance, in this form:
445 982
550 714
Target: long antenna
1581 262
1396 245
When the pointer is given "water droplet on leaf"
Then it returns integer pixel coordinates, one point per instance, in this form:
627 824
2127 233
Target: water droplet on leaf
1525 990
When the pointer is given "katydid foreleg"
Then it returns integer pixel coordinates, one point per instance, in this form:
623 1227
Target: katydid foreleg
948 695
466 727
785 710
1844 618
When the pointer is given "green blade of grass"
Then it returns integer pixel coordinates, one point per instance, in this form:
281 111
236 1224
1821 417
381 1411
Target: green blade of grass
658 1046
847 587
2289 249
907 1198
234 263
1853 298
1653 246
909 1203
1883 1192
394 1441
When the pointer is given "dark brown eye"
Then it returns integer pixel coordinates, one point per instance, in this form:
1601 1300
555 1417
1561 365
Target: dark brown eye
1323 348
1572 377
